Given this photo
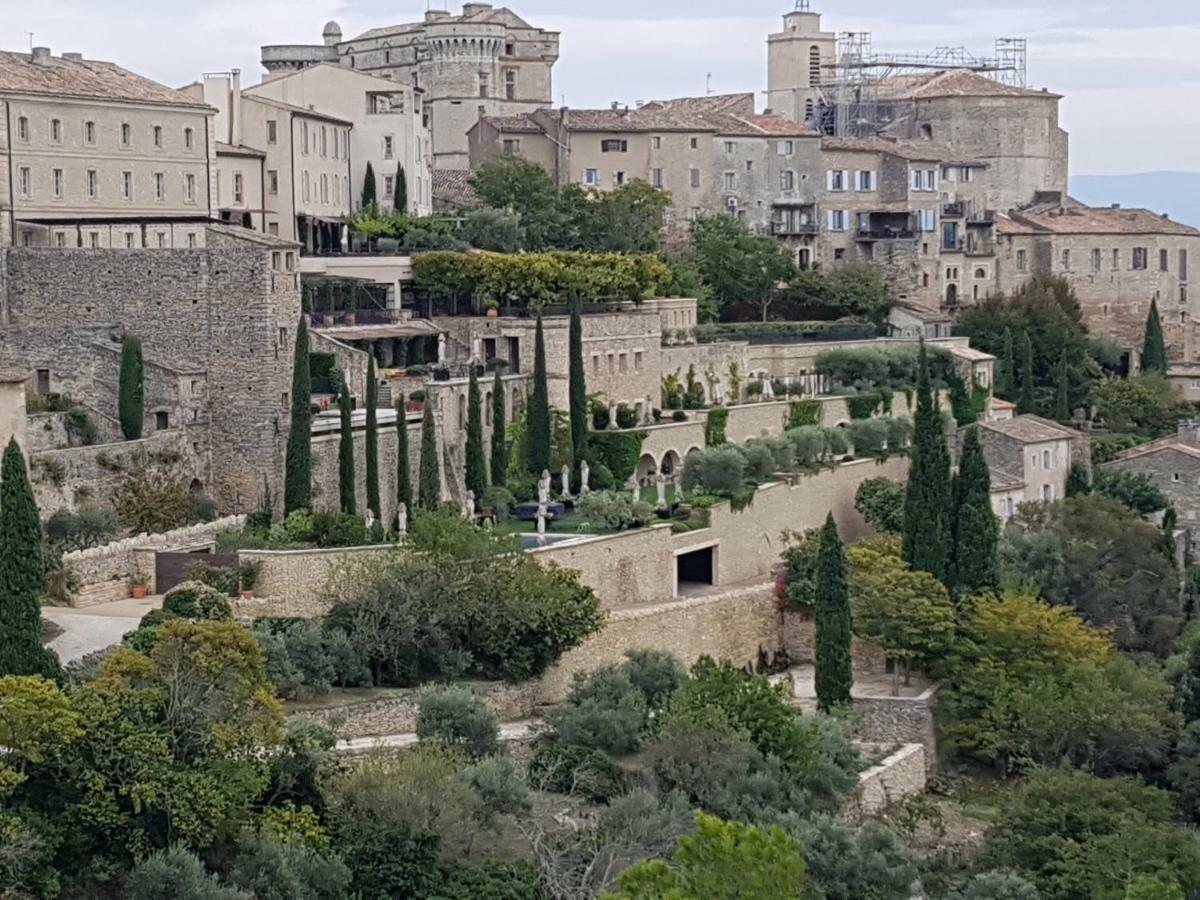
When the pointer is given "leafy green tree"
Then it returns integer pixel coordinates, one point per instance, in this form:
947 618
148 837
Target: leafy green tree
627 219
1062 391
404 491
512 183
371 452
976 532
345 450
22 573
847 862
368 190
458 718
1151 887
739 266
927 503
1154 349
476 470
499 461
1025 399
722 861
176 872
1007 376
997 885
537 411
497 230
297 485
131 389
1078 480
400 194
1144 403
881 502
577 389
832 615
429 487
1136 490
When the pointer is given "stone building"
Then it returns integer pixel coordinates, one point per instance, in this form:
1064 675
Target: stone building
303 171
388 131
1030 459
217 323
712 154
95 156
484 61
798 61
1173 465
1117 261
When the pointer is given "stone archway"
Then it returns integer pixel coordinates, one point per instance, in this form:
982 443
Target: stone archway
647 468
671 464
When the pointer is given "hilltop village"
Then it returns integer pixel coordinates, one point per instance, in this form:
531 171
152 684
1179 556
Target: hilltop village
412 488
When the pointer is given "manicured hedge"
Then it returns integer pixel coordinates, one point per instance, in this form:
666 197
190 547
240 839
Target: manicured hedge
787 332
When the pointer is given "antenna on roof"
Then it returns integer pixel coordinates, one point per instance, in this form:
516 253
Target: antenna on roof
30 33
708 84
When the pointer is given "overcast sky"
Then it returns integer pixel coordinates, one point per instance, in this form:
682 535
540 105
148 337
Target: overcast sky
1130 71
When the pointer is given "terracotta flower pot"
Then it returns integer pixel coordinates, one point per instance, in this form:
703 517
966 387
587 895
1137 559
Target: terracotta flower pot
137 591
493 313
247 595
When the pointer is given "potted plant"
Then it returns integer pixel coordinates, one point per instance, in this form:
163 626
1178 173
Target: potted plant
351 305
327 306
138 585
247 573
491 307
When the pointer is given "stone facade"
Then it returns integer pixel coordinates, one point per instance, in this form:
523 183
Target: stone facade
1173 465
1030 459
228 309
300 583
898 777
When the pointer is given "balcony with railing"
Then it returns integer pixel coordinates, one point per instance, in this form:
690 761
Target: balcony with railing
955 210
793 219
887 226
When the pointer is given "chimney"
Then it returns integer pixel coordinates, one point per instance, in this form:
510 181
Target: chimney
40 56
235 107
1116 206
614 106
75 56
433 15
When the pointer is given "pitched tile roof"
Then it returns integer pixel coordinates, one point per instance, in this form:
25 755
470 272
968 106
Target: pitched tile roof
1162 444
966 83
84 78
521 122
668 115
1030 429
1091 220
924 151
452 188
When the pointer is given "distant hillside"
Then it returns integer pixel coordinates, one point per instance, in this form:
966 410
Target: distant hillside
1175 193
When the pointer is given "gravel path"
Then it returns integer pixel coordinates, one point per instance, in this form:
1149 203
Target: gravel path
95 627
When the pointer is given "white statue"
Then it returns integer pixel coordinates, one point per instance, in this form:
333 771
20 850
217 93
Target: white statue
369 519
768 392
402 518
648 412
719 393
635 488
585 472
612 415
678 482
544 487
442 348
469 506
566 481
660 485
541 519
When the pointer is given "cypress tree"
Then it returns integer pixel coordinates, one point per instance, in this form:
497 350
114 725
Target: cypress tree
1154 350
429 490
346 451
925 539
22 573
1077 480
1007 372
577 389
975 530
834 674
297 484
371 451
1062 391
476 464
368 191
1025 398
404 493
131 389
400 197
537 412
499 434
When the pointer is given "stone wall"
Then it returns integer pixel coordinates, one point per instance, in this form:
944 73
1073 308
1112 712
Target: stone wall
907 720
103 573
325 465
624 569
799 640
899 776
296 583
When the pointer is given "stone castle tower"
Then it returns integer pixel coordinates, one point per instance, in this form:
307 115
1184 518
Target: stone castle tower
798 60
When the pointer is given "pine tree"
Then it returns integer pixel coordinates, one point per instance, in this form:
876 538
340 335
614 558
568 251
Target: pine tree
834 675
577 389
404 492
22 573
975 530
297 484
400 197
499 434
346 451
1025 398
1008 373
537 412
927 512
1154 350
368 191
1062 391
429 490
476 464
371 451
131 389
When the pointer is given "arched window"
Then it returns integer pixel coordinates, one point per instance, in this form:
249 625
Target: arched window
927 132
952 295
981 273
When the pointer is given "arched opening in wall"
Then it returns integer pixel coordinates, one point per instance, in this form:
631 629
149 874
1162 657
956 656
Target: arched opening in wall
487 408
196 487
462 412
646 469
670 463
974 292
952 295
804 257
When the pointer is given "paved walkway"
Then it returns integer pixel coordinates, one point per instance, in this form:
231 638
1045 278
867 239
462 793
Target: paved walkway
509 731
95 627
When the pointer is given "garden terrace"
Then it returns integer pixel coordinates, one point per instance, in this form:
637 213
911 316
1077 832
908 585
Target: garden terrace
787 332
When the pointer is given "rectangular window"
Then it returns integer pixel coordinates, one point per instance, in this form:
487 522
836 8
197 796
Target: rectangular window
60 240
785 148
160 186
24 181
157 136
1045 459
656 142
189 188
622 363
1066 260
1047 492
388 147
591 177
1116 260
89 181
1164 261
866 180
237 187
929 181
126 185
324 144
656 178
728 181
162 240
637 362
89 132
614 146
695 178
787 180
304 138
1183 276
388 185
915 179
837 219
835 179
1139 258
188 138
56 131
56 183
93 240
730 147
618 178
126 134
272 131
694 143
22 128
512 146
510 84
191 240
272 181
928 220
128 240
1022 261
1095 260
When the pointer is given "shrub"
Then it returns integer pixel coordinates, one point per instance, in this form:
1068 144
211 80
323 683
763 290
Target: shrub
500 501
153 498
457 717
714 470
177 873
576 771
881 502
81 430
760 460
600 416
869 437
490 881
219 577
274 869
804 412
714 426
679 416
612 510
626 416
499 785
338 529
604 711
887 366
656 673
196 600
89 526
618 451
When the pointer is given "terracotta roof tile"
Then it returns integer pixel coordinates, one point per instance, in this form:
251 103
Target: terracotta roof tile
1091 220
1029 429
88 78
925 151
452 188
966 83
